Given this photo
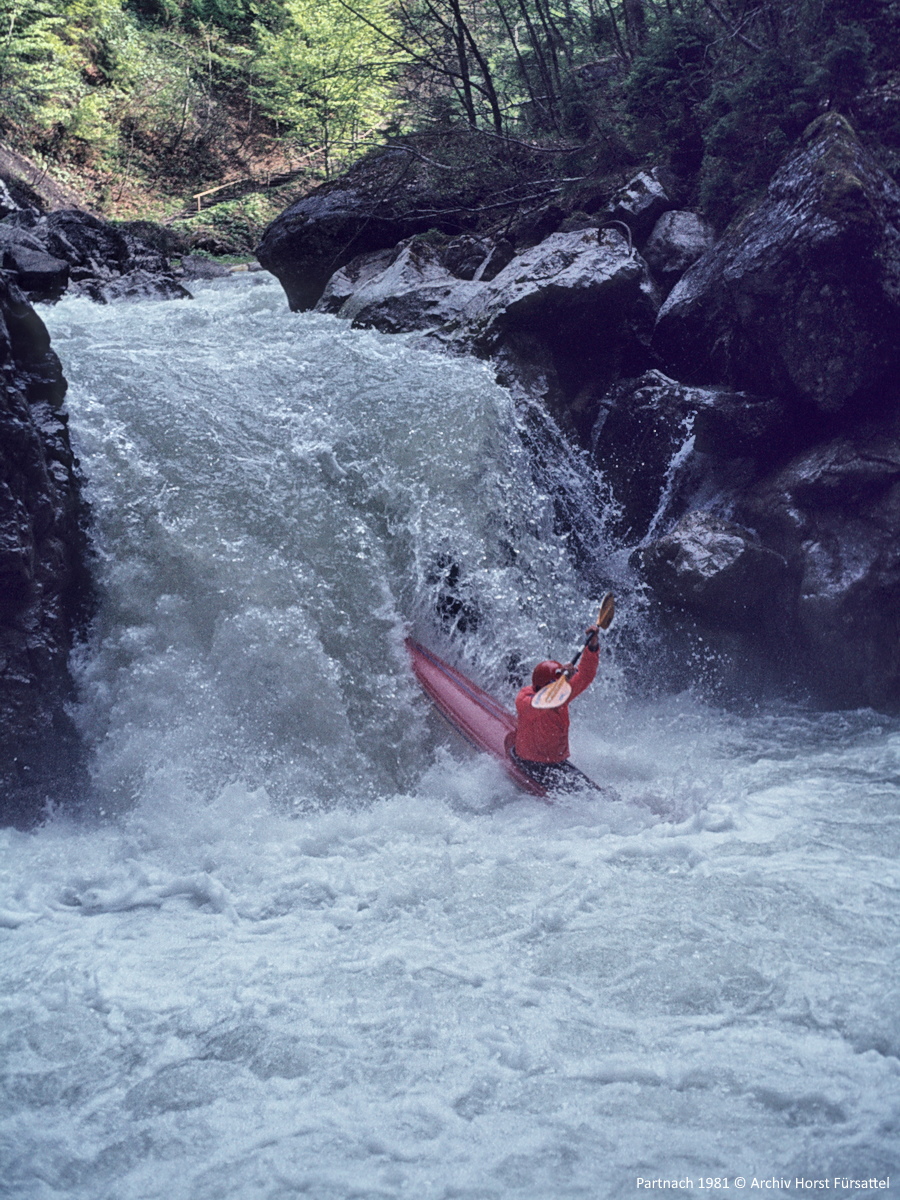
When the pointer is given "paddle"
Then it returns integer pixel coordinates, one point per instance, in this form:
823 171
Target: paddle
558 692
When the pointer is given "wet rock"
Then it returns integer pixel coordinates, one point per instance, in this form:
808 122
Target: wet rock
642 436
833 513
479 258
411 290
733 424
44 587
38 274
560 319
536 224
801 296
16 197
464 256
197 266
104 262
715 568
677 241
564 318
354 276
381 201
565 273
639 205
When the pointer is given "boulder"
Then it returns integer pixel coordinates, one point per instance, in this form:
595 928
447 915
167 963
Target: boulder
38 274
716 569
381 201
560 320
678 239
565 273
639 205
44 589
354 275
642 443
801 296
833 513
198 266
407 288
564 318
8 202
731 425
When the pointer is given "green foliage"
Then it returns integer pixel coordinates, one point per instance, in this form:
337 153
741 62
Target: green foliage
327 75
232 227
667 87
179 94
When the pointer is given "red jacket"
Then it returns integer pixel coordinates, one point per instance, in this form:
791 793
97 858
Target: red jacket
543 733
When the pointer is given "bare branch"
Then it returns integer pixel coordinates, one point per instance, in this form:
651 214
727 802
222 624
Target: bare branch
741 37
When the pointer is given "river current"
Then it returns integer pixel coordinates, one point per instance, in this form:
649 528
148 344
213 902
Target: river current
303 942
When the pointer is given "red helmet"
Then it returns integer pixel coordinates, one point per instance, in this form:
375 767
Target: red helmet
544 673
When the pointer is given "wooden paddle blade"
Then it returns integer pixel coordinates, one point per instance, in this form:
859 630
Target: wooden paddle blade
553 695
607 611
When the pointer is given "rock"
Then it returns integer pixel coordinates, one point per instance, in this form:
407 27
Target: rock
563 273
833 514
38 274
500 255
464 256
412 290
677 241
642 443
536 224
733 424
44 587
801 296
104 262
714 568
197 266
559 319
355 274
8 204
564 318
639 205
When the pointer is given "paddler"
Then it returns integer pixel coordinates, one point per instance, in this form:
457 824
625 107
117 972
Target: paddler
542 734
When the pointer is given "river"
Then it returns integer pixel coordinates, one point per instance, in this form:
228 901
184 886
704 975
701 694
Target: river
303 942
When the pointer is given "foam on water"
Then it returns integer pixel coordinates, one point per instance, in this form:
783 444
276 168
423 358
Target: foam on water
318 948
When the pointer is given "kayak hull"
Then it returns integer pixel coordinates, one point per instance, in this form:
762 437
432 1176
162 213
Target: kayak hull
473 712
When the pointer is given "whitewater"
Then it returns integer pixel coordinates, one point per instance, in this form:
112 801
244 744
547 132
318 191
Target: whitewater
302 941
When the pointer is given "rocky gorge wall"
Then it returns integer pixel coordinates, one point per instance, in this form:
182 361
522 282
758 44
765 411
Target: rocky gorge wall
740 394
44 584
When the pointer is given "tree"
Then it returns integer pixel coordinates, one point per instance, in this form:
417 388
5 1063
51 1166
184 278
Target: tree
327 76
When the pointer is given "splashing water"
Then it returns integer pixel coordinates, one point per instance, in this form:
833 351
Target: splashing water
309 944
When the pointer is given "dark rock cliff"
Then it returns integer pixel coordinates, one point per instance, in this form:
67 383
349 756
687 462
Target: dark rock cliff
801 297
44 589
799 304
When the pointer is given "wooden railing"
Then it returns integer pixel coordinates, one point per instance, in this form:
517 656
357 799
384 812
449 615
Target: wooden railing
273 178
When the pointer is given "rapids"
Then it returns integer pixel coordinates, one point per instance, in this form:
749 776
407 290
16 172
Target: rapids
302 942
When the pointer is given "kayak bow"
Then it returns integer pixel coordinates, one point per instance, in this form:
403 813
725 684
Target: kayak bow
474 713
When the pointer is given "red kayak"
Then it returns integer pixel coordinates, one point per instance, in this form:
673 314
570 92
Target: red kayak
475 714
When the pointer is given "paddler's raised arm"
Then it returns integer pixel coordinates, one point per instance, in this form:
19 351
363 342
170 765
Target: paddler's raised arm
586 671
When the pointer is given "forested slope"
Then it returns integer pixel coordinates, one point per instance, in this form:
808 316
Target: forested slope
138 105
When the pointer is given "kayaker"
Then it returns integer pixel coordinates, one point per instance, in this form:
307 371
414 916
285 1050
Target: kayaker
542 734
